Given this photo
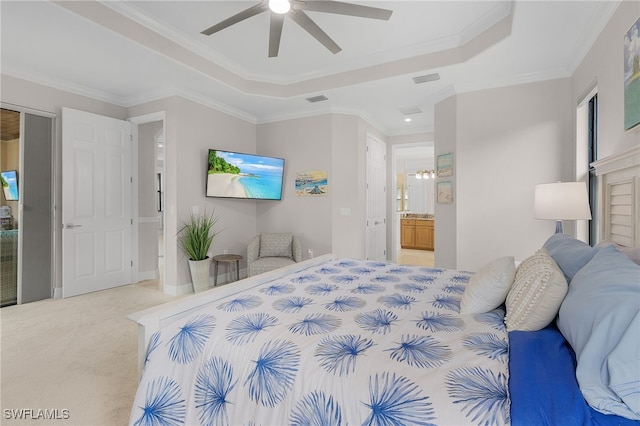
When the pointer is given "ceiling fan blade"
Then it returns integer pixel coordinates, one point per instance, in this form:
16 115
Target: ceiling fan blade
241 16
342 8
275 32
312 28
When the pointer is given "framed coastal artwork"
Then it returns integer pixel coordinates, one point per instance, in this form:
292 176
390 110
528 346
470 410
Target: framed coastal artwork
311 183
444 164
444 191
632 77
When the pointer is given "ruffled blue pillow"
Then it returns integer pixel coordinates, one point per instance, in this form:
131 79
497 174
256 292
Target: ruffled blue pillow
570 254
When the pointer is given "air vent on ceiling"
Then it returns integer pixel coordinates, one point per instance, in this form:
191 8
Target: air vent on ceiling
425 78
410 110
318 98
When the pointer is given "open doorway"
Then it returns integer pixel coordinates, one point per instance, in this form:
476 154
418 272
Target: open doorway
413 226
151 208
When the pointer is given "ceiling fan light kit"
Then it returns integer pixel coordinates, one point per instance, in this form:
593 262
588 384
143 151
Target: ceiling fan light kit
295 9
279 6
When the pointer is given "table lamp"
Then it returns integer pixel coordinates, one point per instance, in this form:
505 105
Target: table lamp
561 201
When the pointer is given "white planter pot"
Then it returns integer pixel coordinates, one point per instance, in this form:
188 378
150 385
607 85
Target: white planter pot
200 274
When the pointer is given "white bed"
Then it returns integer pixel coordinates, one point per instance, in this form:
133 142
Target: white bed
346 341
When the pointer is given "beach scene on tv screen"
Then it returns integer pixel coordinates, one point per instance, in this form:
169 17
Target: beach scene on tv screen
9 185
237 175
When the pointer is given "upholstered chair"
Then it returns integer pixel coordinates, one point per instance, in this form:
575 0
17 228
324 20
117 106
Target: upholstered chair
269 251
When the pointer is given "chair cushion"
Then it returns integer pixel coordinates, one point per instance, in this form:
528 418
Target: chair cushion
267 264
276 245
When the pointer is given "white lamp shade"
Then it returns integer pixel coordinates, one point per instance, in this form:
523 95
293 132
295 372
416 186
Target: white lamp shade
562 201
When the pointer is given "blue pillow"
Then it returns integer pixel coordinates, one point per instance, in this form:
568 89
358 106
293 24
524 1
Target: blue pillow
600 318
570 254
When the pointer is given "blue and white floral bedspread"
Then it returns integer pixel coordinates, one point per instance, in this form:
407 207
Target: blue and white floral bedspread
349 342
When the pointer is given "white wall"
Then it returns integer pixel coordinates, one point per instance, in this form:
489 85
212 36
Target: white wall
508 139
603 66
332 142
26 94
305 144
500 157
445 136
192 129
504 141
148 226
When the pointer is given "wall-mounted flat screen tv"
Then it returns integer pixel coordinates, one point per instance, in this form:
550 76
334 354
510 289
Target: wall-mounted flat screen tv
9 180
247 176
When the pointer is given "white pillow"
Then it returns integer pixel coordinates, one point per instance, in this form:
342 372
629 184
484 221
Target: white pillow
536 294
488 288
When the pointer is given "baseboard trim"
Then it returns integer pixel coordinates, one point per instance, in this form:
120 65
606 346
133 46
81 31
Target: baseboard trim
180 290
148 275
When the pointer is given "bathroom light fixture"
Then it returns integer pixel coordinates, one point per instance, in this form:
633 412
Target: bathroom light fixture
561 201
425 174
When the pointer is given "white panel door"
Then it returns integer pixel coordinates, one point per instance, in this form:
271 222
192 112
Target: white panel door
97 236
376 166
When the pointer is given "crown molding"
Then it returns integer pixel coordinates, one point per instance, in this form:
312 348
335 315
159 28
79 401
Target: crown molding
591 31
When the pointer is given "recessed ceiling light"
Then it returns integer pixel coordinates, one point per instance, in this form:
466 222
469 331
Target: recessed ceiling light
407 119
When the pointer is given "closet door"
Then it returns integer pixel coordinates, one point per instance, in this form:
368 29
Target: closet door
36 219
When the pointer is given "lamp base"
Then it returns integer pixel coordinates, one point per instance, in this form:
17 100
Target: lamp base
559 229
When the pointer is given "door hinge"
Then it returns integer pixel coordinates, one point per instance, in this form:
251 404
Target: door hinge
132 263
131 179
131 221
130 137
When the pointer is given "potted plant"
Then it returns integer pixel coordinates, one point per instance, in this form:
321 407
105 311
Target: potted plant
195 238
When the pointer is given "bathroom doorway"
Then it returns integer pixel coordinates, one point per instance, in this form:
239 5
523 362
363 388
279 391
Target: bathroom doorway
414 201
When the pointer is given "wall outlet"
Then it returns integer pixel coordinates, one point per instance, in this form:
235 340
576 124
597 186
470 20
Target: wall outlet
309 254
225 251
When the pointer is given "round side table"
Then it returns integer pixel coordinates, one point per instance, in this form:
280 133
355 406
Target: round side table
229 259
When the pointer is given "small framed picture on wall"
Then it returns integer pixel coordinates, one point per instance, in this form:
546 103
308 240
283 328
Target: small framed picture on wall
632 77
444 164
444 192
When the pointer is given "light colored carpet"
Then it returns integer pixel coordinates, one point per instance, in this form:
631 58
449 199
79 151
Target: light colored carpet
77 354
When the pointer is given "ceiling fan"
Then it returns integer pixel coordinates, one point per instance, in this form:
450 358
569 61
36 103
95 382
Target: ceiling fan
296 10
